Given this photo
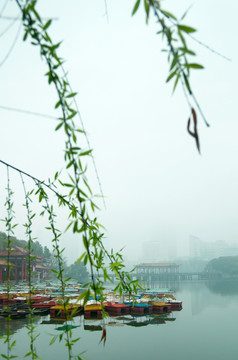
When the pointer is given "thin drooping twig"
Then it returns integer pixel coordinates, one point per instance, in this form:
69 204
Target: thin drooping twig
60 262
64 117
157 15
28 112
28 226
106 11
65 201
12 47
9 27
199 41
4 7
87 139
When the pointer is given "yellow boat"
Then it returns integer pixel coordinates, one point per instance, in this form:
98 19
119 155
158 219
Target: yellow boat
92 307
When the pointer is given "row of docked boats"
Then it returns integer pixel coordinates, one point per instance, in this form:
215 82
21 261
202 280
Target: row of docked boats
143 304
20 312
150 302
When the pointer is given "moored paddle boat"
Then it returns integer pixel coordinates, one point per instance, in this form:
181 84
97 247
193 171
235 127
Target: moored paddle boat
93 310
65 311
140 308
161 307
114 308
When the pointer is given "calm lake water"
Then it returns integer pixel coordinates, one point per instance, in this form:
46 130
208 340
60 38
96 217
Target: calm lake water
206 328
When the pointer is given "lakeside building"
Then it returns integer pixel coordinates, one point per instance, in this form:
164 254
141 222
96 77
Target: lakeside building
156 269
17 264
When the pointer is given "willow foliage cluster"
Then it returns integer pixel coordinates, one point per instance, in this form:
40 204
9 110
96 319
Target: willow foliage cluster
78 197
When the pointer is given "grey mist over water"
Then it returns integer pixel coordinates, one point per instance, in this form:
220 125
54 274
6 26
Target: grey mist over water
206 328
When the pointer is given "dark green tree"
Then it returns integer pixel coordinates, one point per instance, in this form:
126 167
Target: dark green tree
37 248
46 254
78 272
226 266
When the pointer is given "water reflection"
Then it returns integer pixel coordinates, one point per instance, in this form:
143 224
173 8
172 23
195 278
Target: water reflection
128 320
223 287
162 284
14 325
92 327
204 296
206 328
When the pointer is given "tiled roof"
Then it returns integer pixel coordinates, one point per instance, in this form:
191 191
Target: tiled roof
4 262
22 250
15 251
41 267
157 264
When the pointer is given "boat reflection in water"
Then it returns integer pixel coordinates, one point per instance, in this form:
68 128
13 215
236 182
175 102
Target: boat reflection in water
15 324
128 320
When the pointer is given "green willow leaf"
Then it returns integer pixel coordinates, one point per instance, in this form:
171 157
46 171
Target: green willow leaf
81 257
53 340
28 354
175 61
168 14
194 66
182 38
25 36
47 24
187 84
67 185
57 104
171 75
187 51
36 14
136 6
185 14
75 227
69 164
147 7
85 152
85 260
176 82
72 95
186 28
85 242
89 189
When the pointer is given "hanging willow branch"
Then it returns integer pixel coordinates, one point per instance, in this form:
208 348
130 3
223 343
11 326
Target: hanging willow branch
80 193
178 52
35 28
58 255
30 259
114 258
116 266
9 230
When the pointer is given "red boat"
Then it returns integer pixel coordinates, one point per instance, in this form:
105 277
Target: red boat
43 305
116 309
175 305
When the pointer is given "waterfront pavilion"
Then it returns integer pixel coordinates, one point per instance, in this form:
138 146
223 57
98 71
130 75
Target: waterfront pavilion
18 265
146 269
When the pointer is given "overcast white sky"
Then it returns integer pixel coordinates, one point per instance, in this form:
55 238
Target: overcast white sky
157 186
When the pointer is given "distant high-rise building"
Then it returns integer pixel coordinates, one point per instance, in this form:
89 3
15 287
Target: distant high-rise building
209 250
194 246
